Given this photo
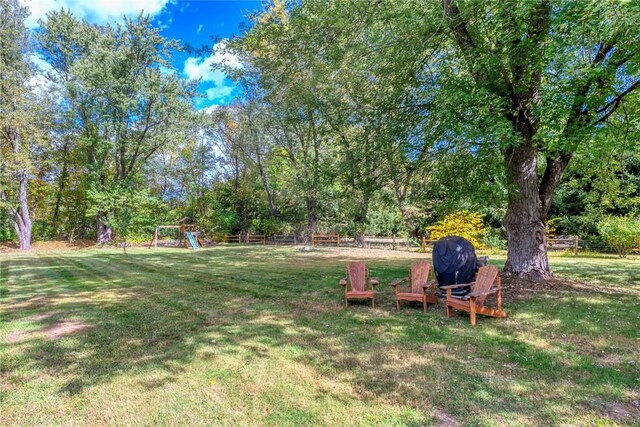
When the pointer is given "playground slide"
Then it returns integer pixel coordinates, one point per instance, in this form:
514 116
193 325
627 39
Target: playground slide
192 240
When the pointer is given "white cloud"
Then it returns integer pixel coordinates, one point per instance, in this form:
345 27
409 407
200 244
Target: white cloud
219 92
98 11
200 68
199 30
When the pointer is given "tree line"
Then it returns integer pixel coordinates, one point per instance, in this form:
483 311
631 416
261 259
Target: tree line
359 117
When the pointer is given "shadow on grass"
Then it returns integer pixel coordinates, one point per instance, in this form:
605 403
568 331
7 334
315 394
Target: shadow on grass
164 310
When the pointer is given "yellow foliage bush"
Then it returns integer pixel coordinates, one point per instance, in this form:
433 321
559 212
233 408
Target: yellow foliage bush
469 225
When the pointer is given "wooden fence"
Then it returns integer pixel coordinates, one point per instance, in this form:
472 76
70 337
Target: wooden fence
256 238
284 239
571 243
232 238
249 238
325 238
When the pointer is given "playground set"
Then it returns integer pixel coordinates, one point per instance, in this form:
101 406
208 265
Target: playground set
181 236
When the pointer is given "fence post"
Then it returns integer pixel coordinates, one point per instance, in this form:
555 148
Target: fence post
576 243
338 237
423 247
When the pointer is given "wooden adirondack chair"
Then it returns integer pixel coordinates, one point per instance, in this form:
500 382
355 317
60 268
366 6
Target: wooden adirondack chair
480 289
358 275
422 289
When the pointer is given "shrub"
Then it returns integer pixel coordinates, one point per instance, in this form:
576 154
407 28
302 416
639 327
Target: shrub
6 233
469 225
622 233
493 239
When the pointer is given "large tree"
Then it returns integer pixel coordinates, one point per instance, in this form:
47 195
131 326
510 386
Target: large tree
555 71
22 122
124 101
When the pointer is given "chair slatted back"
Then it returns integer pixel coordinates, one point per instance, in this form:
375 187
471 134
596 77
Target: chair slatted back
357 272
419 275
485 279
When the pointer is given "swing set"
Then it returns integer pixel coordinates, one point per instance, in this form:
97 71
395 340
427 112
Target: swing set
180 236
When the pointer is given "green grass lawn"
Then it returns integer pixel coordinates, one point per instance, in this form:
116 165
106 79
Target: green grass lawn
259 336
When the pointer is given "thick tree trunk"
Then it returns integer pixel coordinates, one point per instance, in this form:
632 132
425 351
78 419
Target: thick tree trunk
24 220
525 218
104 232
20 215
360 221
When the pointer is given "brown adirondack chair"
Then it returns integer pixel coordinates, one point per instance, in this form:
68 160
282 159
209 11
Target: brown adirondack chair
480 289
422 289
358 275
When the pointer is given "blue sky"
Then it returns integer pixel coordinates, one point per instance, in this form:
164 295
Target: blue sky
205 23
194 22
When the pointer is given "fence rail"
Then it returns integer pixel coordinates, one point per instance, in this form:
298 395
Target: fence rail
256 238
563 244
325 238
284 239
232 238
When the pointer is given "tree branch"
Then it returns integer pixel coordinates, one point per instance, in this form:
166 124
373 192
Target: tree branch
551 179
613 105
463 37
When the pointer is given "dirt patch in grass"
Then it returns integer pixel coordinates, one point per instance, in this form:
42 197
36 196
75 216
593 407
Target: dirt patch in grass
609 360
444 419
54 331
519 289
617 411
16 337
62 328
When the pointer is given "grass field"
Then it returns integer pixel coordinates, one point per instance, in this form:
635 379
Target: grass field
259 336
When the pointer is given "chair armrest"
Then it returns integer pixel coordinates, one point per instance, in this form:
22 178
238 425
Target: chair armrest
479 294
429 284
460 285
374 281
343 282
397 282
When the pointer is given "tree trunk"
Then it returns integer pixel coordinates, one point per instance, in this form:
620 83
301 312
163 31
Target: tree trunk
405 214
20 216
273 210
24 221
61 184
312 218
525 218
104 231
